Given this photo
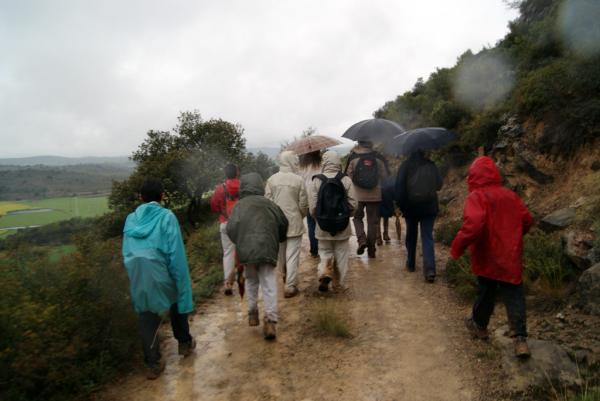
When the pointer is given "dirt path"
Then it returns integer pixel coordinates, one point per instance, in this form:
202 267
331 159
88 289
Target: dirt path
407 343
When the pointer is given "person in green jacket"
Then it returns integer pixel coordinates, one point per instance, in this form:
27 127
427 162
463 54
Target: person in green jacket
256 227
159 278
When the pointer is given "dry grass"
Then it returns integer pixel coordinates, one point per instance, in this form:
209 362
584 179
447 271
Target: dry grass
330 321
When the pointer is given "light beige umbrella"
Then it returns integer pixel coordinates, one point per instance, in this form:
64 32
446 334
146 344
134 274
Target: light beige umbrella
312 143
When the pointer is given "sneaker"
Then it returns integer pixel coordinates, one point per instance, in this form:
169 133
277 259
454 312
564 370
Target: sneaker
361 249
186 349
253 318
290 292
153 372
475 330
324 283
228 288
521 348
269 330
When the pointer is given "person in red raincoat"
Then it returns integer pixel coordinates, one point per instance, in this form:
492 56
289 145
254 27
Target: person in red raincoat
494 222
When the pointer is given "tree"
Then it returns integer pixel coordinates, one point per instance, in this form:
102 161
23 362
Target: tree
188 160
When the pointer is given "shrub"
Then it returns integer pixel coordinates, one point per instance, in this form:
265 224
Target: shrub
543 262
458 274
204 251
329 321
66 326
446 232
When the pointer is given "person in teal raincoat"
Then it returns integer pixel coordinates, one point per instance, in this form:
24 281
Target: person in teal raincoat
159 278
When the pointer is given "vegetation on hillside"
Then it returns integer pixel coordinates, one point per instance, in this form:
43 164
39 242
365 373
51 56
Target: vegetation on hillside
38 182
545 70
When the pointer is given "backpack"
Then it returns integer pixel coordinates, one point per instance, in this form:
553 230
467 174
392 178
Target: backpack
366 172
421 184
332 211
230 201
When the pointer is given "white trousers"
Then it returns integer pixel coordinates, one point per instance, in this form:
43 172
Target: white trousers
334 259
289 259
266 277
228 255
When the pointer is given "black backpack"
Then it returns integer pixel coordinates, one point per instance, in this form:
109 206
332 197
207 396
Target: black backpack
421 183
366 172
332 212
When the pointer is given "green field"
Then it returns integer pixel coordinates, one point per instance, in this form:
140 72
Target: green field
60 209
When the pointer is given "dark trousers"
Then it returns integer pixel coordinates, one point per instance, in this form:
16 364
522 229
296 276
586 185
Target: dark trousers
149 324
372 210
412 231
513 297
314 243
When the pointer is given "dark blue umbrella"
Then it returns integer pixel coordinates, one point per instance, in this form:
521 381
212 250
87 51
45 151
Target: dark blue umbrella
373 130
420 139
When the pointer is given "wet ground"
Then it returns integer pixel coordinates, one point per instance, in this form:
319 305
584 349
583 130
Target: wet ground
407 343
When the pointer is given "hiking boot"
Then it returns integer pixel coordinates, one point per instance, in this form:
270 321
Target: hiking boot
521 348
410 269
475 330
228 288
324 283
290 292
269 329
430 278
314 255
386 237
253 318
371 253
379 241
361 249
153 372
187 348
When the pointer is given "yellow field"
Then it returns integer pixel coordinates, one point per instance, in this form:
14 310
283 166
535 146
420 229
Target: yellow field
6 207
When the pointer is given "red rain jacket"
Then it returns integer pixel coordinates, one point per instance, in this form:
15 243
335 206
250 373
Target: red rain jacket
494 222
217 202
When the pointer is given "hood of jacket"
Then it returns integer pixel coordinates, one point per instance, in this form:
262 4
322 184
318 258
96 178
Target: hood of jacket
142 222
251 184
331 162
288 162
233 186
483 173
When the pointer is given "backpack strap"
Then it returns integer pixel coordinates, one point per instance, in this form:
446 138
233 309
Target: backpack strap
339 176
352 156
321 177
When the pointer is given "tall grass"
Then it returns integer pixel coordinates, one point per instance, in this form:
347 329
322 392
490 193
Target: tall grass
330 321
544 265
458 273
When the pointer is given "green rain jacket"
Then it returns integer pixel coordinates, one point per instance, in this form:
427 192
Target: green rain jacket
155 260
256 225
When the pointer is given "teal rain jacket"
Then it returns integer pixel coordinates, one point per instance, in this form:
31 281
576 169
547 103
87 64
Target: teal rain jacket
155 260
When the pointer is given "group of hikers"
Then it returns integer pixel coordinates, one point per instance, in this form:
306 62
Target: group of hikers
262 224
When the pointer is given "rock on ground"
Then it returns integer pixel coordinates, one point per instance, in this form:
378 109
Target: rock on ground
549 363
588 290
558 220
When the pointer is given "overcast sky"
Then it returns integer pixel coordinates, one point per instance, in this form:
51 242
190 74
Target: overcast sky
80 78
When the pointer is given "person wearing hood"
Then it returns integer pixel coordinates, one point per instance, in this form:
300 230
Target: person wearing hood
286 188
224 198
159 278
494 222
333 249
257 226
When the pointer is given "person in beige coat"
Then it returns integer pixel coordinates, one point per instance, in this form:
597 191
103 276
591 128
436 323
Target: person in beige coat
286 188
333 249
368 198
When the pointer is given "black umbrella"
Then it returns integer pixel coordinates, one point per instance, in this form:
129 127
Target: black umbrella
373 130
419 139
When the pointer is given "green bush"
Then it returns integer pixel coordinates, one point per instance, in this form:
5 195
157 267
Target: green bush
458 274
445 233
66 326
543 260
204 251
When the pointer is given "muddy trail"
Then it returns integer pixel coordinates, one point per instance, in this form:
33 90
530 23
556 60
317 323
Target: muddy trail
407 343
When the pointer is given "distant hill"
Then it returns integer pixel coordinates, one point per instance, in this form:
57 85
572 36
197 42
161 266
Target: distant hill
65 161
42 181
269 151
